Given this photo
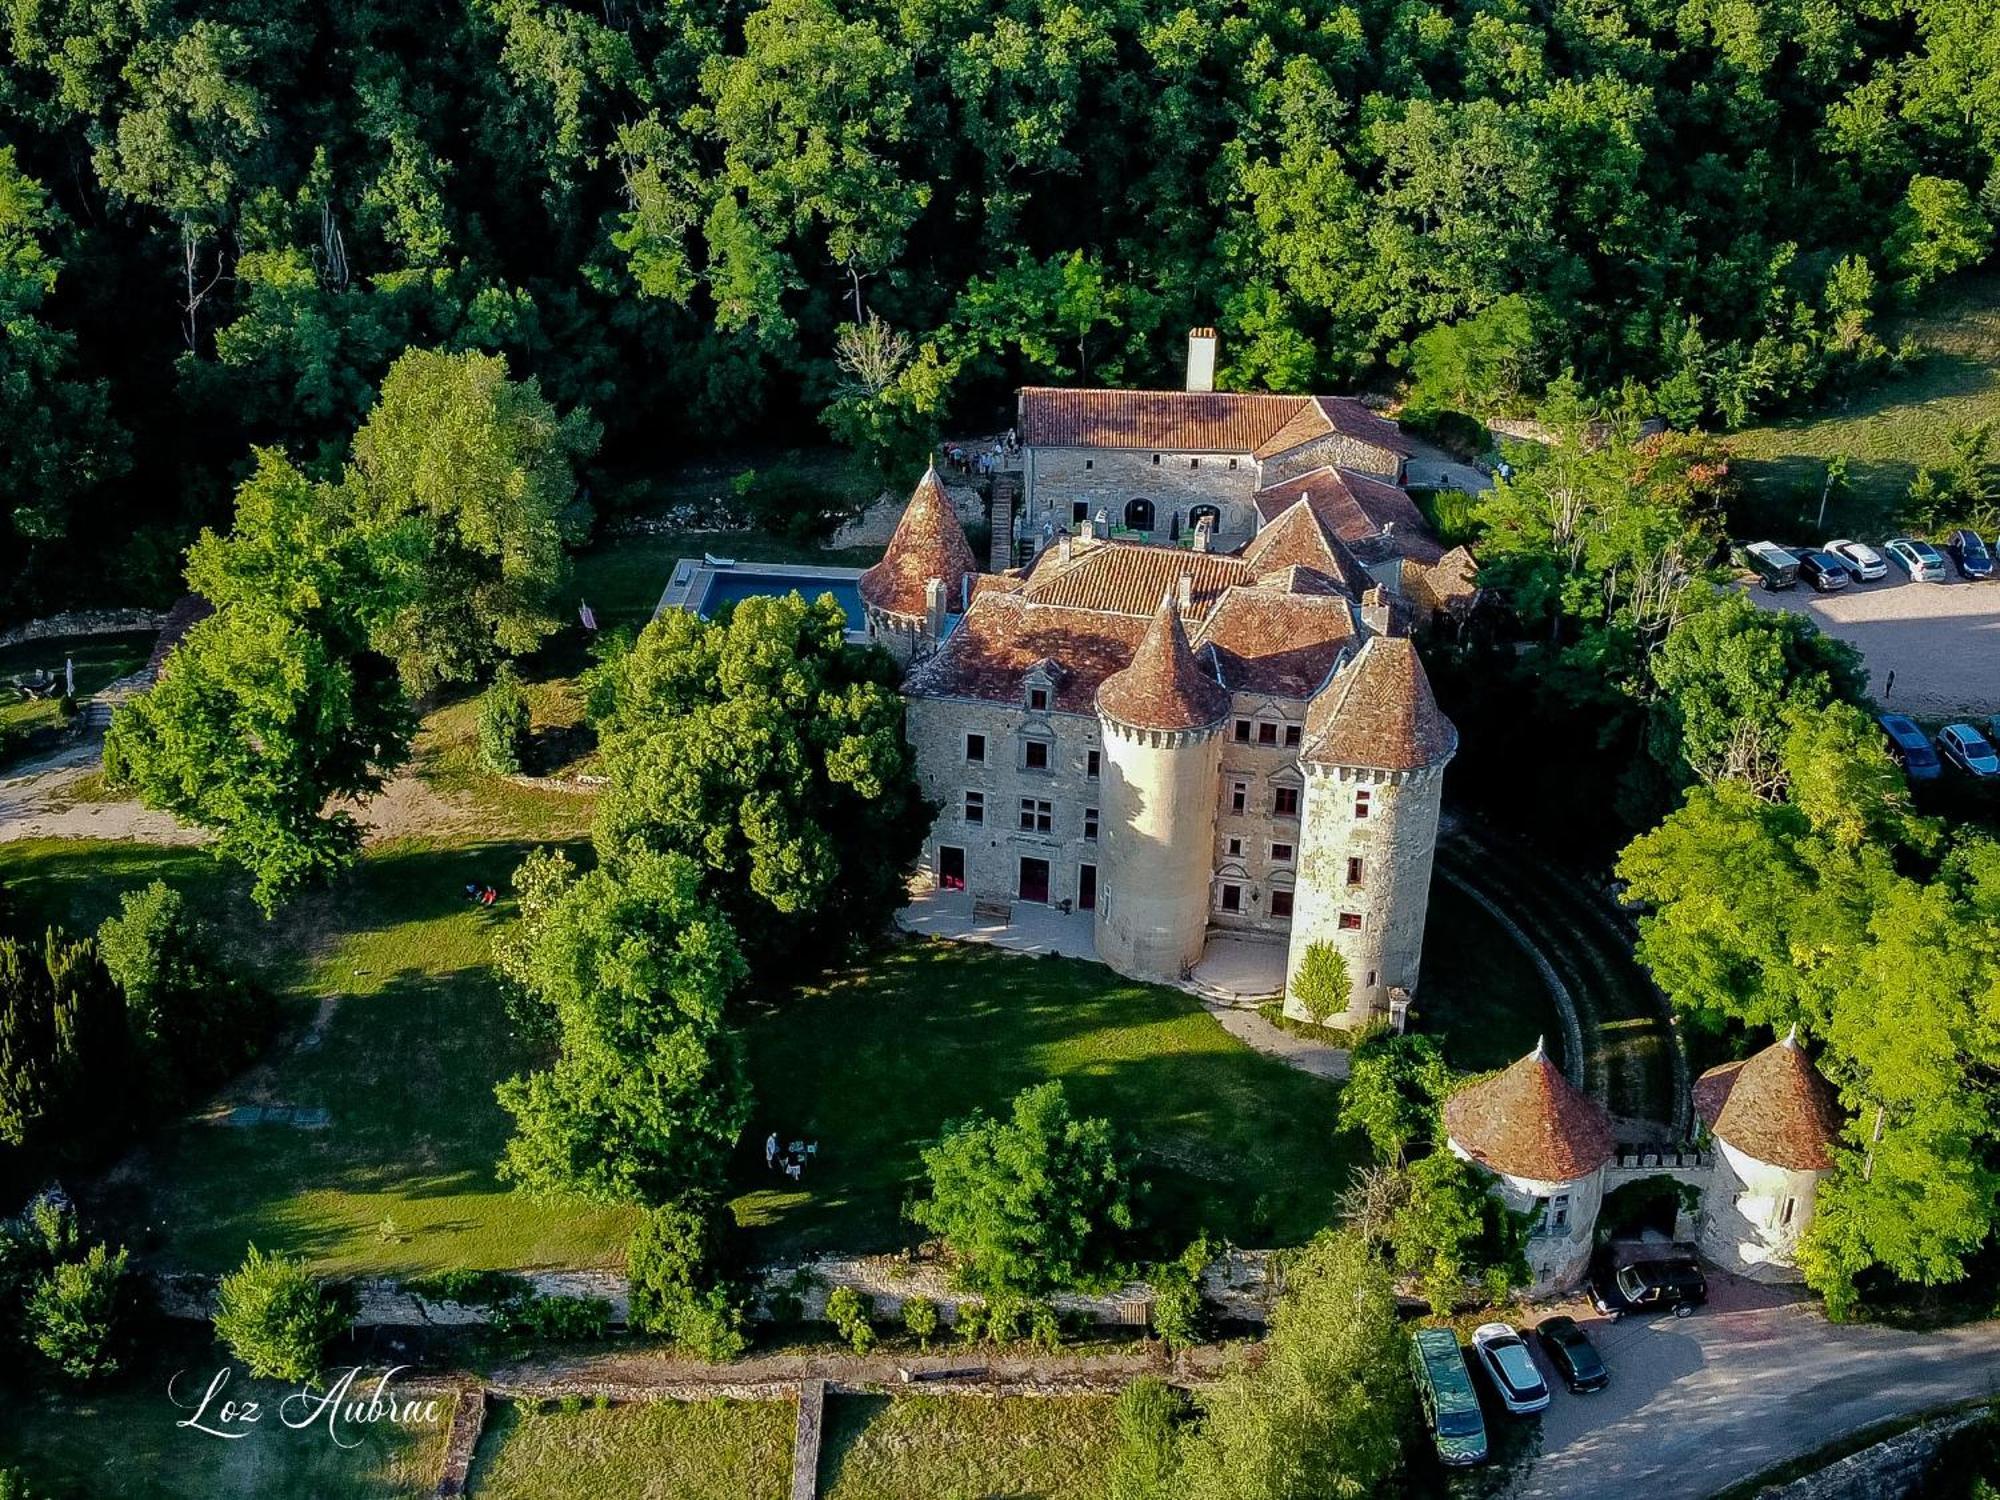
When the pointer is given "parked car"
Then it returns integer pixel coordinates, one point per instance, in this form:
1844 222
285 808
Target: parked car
1969 554
1965 747
1772 563
1507 1359
1823 571
1444 1390
1910 745
1920 560
1574 1356
1863 563
1673 1284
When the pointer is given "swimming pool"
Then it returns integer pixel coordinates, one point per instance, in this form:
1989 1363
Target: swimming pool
737 584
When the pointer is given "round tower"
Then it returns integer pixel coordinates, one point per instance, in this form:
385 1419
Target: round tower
1376 745
1162 719
924 576
1775 1122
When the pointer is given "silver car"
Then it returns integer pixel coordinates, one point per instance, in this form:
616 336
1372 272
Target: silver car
1507 1359
1863 563
1923 562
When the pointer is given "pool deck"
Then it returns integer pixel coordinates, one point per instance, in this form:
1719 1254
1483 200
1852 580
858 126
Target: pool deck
689 579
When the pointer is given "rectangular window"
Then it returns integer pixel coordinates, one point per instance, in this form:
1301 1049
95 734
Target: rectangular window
1194 463
975 807
1267 732
1239 796
1785 1214
1090 822
1232 463
1285 801
1361 800
1090 463
1559 1212
1350 921
1293 733
1242 731
1079 511
1353 870
975 748
1037 816
1281 854
1090 763
1235 848
1232 898
1156 458
1281 903
1038 699
1035 754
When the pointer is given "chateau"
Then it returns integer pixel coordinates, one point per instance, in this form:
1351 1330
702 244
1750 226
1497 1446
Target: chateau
1196 711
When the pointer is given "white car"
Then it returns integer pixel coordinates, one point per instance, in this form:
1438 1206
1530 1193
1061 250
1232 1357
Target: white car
1969 750
1505 1355
1863 563
1923 562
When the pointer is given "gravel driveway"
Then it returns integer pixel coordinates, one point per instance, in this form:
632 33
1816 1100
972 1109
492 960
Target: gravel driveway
1756 1377
1942 640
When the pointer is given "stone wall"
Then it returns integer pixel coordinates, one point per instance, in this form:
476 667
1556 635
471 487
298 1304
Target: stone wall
82 622
1893 1469
1259 770
1159 826
1108 478
1339 450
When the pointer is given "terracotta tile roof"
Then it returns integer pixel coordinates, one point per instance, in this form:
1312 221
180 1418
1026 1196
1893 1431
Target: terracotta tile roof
1197 421
1302 537
1296 578
1164 687
989 653
1379 712
928 543
1319 416
1353 505
1129 577
1271 640
1774 1106
1530 1121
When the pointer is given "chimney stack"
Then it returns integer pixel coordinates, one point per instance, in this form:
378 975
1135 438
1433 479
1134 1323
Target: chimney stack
1204 535
1186 592
1201 359
1375 612
1063 547
934 608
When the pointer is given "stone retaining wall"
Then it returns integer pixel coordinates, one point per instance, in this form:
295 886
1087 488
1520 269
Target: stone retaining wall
82 622
1892 1469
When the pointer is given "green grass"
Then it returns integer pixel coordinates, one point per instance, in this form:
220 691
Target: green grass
935 1447
446 755
1887 430
874 1066
120 1443
100 659
1481 996
664 1450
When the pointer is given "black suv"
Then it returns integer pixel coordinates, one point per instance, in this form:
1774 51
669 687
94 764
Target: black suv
1649 1286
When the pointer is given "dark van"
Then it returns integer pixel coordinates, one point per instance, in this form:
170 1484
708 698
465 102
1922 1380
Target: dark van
1772 563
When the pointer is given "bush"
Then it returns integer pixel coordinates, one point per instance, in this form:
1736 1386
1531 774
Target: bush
80 1314
850 1312
14 1486
1178 1312
544 1319
1147 1463
504 723
277 1317
1045 1329
920 1319
674 1265
195 1020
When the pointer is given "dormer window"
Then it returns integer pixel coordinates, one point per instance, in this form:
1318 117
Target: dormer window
1038 699
1267 732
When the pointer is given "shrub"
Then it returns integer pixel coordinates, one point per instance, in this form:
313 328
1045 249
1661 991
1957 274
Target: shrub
920 1318
194 1018
1177 1304
850 1312
80 1314
543 1319
1045 1329
1147 1463
674 1265
14 1486
504 723
277 1317
1322 986
970 1324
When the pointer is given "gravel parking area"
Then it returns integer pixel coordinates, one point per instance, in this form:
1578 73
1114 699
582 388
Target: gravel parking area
1939 639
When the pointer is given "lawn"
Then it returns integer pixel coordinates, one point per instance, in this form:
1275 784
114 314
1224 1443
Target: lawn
1480 995
661 1450
446 756
121 1443
937 1447
875 1064
99 659
1886 430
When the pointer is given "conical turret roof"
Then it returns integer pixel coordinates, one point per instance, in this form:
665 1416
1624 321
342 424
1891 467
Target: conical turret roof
1379 712
928 543
1531 1122
1163 687
1775 1107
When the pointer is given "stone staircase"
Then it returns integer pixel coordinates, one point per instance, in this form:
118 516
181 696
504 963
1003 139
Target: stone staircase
1006 499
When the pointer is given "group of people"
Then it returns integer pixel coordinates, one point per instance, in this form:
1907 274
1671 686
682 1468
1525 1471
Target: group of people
484 895
792 1159
980 461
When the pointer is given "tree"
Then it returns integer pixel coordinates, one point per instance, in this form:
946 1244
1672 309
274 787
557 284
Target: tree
1479 364
1436 1237
464 487
1030 1204
1395 1093
646 1095
504 722
765 749
1939 229
79 1315
277 1317
1322 987
194 1019
675 1264
65 1056
1327 1410
852 1313
274 705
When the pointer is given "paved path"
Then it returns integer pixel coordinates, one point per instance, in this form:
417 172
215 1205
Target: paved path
1754 1379
1251 1029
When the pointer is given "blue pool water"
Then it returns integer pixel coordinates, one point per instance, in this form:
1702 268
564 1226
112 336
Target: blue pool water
735 585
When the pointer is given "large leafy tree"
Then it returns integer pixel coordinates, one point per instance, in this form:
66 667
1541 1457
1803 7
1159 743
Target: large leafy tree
768 751
65 1056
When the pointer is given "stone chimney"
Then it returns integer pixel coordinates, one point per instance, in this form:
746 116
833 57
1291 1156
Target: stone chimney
1063 547
1201 359
934 608
1375 612
1185 592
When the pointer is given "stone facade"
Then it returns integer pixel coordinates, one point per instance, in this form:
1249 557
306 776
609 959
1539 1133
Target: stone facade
1563 1232
1065 486
1754 1213
1152 917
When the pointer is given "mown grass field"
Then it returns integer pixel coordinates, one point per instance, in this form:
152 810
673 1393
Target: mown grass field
936 1447
661 1450
1886 431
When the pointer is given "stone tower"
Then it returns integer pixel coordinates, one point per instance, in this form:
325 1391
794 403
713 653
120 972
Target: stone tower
1375 750
924 577
1162 719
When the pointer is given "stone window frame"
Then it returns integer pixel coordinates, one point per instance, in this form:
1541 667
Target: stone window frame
1267 734
1280 896
1278 795
1289 855
1241 731
1090 824
1294 734
1232 846
1364 803
1223 891
1038 815
1031 743
1348 921
1239 796
972 739
1357 868
1093 763
1038 699
975 808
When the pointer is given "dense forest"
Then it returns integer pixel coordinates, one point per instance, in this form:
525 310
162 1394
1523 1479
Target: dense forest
221 222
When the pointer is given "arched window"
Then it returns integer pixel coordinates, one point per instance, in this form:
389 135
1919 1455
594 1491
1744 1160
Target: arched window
1209 513
1139 515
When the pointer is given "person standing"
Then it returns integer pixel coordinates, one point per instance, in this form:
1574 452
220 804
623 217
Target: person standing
771 1151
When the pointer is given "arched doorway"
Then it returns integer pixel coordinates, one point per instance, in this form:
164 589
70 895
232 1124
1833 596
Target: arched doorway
1139 515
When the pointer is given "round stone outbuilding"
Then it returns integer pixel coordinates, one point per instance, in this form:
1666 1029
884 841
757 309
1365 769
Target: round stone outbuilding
1546 1143
925 575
